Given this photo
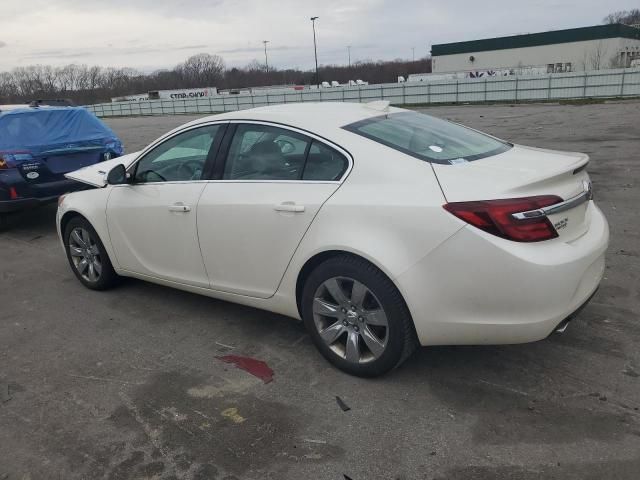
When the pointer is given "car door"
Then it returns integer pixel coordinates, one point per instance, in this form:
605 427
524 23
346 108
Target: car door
252 218
152 219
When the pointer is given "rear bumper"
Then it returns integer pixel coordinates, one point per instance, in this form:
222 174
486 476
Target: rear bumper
479 289
33 195
18 205
562 326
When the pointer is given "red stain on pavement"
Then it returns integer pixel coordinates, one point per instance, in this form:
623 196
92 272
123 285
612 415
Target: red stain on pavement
257 368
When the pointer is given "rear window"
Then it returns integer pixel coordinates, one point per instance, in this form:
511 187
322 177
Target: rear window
429 138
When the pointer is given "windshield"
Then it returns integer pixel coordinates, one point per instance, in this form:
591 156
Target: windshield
428 138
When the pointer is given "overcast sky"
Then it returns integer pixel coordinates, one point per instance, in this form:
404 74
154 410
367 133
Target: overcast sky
153 34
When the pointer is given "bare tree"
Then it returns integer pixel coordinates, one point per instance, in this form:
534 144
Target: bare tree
201 70
628 17
595 58
84 84
616 62
584 63
8 87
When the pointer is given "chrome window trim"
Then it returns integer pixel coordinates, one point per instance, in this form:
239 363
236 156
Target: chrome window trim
584 196
306 133
184 182
283 126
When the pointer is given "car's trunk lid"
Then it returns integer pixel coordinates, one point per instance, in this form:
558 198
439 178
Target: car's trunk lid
522 172
50 164
65 160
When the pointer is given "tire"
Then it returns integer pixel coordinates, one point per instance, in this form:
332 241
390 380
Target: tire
95 255
372 309
4 222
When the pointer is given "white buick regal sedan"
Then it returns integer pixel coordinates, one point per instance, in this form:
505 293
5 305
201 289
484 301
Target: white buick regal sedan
381 228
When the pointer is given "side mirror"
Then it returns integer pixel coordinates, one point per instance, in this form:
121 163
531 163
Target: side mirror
117 175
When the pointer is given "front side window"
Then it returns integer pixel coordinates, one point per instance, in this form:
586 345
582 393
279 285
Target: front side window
179 159
429 138
261 152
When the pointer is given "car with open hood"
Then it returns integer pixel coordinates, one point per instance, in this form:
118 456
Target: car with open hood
381 228
40 144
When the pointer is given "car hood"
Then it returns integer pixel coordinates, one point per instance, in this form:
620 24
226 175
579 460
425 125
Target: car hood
96 175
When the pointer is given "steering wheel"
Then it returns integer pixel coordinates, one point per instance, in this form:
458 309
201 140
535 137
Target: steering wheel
191 167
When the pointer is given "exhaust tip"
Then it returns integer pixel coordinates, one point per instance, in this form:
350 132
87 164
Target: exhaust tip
562 326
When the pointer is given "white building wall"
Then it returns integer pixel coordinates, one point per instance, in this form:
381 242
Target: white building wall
582 56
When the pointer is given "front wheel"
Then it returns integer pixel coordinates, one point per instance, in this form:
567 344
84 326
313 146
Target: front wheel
357 317
87 256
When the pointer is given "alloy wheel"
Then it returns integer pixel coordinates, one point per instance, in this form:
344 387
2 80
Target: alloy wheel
350 320
85 254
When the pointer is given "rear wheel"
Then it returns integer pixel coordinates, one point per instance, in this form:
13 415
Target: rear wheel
357 317
87 256
4 221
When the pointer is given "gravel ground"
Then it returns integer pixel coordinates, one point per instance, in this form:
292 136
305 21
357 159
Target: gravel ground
125 384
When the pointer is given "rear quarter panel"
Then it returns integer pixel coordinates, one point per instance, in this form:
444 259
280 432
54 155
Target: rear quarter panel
388 210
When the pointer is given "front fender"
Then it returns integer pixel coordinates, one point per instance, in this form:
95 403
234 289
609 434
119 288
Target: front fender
92 205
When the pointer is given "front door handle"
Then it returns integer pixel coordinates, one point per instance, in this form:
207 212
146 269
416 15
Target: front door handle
179 207
289 207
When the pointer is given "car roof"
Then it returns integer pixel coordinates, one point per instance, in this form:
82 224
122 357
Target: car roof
321 118
19 109
9 108
33 128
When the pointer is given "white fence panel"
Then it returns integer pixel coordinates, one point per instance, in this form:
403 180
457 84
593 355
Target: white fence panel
443 92
329 95
555 86
294 97
630 83
351 94
471 90
416 94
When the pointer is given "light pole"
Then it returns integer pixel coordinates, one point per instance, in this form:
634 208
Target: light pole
315 48
413 51
266 60
349 50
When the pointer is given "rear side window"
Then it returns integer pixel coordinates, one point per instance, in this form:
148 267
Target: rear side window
264 152
324 163
429 138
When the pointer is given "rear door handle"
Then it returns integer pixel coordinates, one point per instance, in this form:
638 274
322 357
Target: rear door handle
289 207
179 207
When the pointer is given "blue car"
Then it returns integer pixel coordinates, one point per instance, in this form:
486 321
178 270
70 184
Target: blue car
38 145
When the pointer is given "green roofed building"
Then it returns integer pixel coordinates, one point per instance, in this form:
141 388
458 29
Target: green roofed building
574 49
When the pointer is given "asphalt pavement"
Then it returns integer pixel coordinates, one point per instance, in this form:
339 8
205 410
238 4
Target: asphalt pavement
128 384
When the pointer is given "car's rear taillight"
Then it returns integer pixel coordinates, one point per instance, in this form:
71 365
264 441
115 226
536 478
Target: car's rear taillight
10 158
496 217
